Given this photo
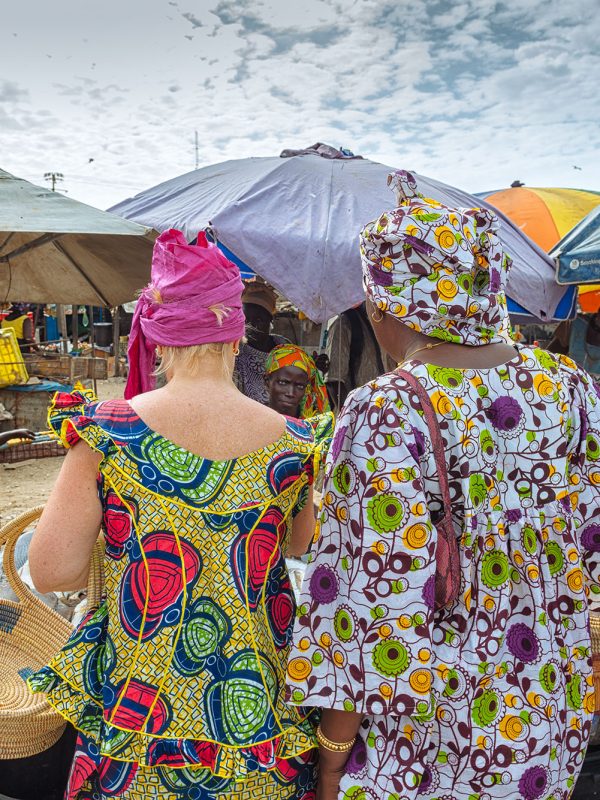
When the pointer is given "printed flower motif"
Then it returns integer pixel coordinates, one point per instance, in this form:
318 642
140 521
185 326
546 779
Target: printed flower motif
477 489
556 559
345 478
486 708
495 281
523 643
450 379
338 441
324 584
299 668
428 592
385 512
391 658
590 538
430 780
513 728
355 766
345 624
529 539
417 448
513 514
533 783
592 447
494 569
549 677
447 288
574 694
488 447
457 683
380 276
445 238
506 415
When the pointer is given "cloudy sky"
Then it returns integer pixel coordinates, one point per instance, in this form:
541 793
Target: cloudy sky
475 93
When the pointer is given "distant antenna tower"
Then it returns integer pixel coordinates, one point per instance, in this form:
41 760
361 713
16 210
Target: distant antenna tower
53 178
196 149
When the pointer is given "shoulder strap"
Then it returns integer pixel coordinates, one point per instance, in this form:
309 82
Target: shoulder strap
435 433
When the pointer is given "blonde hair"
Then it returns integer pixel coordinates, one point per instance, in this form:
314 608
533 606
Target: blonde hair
190 358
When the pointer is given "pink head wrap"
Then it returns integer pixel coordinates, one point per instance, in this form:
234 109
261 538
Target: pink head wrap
174 309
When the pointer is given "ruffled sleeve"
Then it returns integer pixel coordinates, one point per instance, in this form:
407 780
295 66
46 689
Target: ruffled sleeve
363 635
71 419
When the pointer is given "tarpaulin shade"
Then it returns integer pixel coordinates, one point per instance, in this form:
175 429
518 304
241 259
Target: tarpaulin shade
54 249
578 253
295 222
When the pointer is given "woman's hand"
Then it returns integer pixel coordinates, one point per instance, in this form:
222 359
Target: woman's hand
20 433
331 772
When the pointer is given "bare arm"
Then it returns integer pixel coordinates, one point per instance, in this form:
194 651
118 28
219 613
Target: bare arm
62 545
338 726
303 529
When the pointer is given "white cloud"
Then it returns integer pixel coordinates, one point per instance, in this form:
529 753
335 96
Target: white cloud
475 94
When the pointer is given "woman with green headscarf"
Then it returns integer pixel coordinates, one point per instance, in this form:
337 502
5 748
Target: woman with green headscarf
294 383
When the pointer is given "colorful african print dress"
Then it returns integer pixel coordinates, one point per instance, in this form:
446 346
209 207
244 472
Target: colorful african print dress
175 682
490 698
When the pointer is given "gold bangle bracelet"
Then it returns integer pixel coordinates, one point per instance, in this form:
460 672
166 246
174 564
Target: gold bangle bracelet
335 747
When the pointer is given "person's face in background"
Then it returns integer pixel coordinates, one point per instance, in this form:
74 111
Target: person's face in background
286 388
258 323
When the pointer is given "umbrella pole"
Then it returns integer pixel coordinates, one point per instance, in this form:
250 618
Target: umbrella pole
75 326
116 339
62 327
93 343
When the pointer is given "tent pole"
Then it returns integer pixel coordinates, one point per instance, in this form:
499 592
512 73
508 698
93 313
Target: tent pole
116 312
93 343
75 326
62 327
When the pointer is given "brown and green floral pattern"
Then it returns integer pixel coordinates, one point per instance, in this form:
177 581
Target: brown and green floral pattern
492 697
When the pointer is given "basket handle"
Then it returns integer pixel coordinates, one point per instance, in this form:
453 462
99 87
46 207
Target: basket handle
9 535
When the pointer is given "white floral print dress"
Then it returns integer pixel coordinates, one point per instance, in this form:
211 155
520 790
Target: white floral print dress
490 698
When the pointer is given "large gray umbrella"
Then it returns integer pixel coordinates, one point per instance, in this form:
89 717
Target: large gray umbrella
295 221
57 250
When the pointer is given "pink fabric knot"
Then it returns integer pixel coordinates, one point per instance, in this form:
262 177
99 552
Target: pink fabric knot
176 309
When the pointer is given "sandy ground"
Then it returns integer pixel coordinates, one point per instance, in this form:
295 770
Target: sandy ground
28 483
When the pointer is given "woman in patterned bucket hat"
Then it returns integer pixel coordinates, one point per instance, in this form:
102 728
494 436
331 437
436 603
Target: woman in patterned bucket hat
488 692
176 682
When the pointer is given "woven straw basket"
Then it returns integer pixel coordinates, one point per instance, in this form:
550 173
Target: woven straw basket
30 635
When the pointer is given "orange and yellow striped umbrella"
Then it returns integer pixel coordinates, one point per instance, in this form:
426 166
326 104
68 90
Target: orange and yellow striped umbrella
545 215
589 297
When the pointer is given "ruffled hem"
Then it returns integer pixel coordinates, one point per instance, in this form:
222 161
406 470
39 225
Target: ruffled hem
118 744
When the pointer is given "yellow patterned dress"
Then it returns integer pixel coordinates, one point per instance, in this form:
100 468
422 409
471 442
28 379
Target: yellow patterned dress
175 683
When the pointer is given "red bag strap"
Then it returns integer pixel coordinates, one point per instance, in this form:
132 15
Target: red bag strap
435 434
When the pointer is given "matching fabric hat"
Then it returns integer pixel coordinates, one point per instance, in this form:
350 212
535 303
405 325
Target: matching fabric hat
177 308
441 271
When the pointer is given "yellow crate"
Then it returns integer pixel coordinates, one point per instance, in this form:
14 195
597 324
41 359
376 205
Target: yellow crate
12 366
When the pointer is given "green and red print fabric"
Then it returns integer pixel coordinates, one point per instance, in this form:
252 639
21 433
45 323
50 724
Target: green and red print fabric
176 681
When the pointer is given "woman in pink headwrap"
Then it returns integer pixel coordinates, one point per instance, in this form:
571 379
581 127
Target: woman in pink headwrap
175 683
